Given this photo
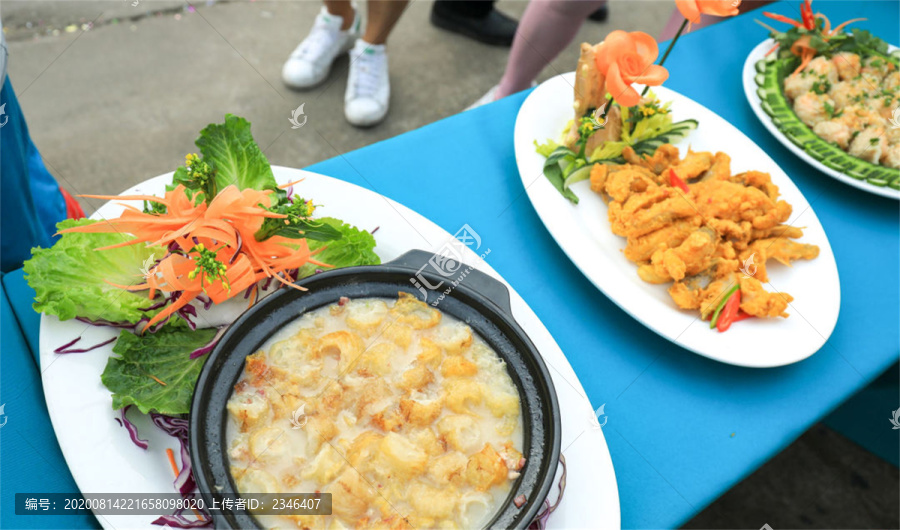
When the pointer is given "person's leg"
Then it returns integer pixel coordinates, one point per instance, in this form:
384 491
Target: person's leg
546 28
343 9
381 18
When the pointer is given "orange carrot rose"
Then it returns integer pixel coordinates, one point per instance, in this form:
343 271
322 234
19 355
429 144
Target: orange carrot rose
625 58
692 9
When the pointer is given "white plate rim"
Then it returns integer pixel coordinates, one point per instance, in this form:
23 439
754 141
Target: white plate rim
551 208
749 82
591 480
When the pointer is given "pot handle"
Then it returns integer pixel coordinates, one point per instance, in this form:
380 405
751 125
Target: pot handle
487 286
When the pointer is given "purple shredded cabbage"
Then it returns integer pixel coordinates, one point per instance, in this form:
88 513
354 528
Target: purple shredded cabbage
65 347
375 230
130 427
200 352
186 312
206 301
180 521
540 520
157 305
178 428
240 245
106 323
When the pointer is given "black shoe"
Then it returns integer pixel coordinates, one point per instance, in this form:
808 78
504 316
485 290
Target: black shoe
495 28
600 15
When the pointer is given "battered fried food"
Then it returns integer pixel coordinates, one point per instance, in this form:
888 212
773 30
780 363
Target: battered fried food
691 222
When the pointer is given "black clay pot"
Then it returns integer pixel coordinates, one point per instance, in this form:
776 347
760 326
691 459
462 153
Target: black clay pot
478 300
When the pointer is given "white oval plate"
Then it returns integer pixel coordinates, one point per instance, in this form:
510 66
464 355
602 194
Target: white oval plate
103 459
584 234
749 75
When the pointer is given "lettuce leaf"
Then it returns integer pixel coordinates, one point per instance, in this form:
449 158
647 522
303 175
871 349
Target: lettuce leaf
71 279
355 247
545 149
230 149
608 151
164 355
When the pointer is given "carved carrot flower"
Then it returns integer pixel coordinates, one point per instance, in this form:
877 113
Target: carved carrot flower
693 9
625 58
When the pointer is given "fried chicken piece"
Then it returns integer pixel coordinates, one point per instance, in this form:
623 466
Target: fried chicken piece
599 172
687 259
777 231
780 249
725 260
693 165
758 302
684 296
665 156
720 168
759 180
735 202
623 182
635 218
639 249
687 295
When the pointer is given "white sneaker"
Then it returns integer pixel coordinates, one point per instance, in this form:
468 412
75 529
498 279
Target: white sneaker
368 87
311 61
489 97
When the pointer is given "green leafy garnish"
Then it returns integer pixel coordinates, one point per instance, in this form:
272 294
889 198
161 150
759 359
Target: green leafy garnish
298 224
645 127
71 279
354 247
232 156
154 371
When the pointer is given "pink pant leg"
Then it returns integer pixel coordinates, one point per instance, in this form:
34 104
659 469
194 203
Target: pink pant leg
546 28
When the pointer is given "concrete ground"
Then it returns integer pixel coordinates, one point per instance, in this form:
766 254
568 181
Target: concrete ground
116 91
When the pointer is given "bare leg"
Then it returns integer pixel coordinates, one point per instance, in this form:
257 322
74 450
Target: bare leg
343 9
381 17
546 28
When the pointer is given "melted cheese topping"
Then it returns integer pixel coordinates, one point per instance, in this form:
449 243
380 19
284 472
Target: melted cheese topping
405 415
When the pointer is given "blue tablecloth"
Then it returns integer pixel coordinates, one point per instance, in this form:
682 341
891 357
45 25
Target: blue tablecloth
682 429
30 458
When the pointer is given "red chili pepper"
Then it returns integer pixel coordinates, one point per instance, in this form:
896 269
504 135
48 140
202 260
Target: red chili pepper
742 316
806 14
676 181
729 312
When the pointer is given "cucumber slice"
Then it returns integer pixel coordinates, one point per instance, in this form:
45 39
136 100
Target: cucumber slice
578 175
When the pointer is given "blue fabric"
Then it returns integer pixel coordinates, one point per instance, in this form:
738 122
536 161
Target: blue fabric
29 320
30 458
682 429
30 201
862 418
